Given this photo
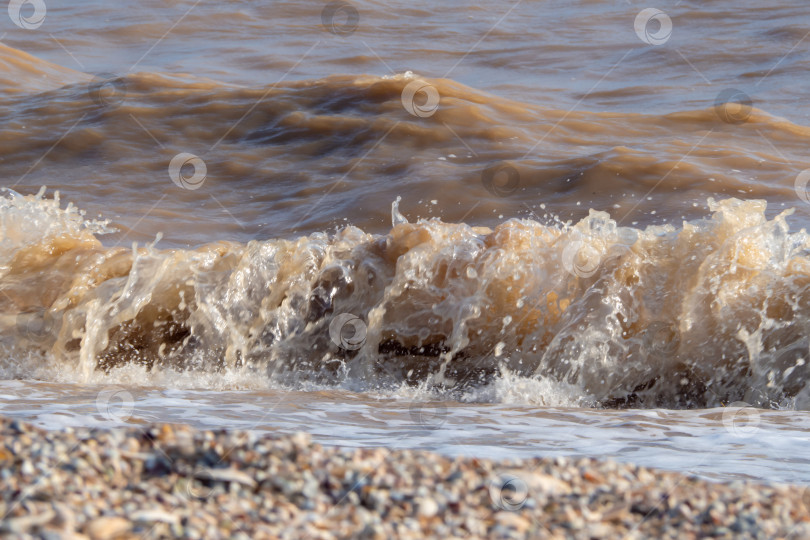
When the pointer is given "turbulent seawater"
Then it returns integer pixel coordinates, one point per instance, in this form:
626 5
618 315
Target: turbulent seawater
541 210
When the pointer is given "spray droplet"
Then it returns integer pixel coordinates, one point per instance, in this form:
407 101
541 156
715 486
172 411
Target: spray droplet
396 217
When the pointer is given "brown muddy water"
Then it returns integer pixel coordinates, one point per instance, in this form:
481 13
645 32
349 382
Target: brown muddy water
572 228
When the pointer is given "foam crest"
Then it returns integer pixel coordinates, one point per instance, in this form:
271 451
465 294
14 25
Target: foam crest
593 313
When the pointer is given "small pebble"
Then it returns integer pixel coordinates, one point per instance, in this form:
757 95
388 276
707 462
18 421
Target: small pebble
176 482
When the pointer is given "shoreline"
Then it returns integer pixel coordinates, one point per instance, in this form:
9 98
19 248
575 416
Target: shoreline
166 481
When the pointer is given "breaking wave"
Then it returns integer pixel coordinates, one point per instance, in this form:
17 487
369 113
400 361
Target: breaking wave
713 311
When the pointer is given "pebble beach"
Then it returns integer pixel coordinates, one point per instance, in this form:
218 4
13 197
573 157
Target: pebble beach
172 481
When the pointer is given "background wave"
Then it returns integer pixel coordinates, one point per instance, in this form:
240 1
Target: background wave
306 156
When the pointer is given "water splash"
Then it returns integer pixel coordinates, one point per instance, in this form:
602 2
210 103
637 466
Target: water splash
594 313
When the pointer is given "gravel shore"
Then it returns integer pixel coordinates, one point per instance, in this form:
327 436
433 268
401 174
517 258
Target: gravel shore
173 481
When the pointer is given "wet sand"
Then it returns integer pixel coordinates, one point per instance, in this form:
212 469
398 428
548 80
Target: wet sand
171 481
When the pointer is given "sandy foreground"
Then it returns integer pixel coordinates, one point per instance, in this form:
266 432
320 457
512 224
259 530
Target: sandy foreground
173 481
